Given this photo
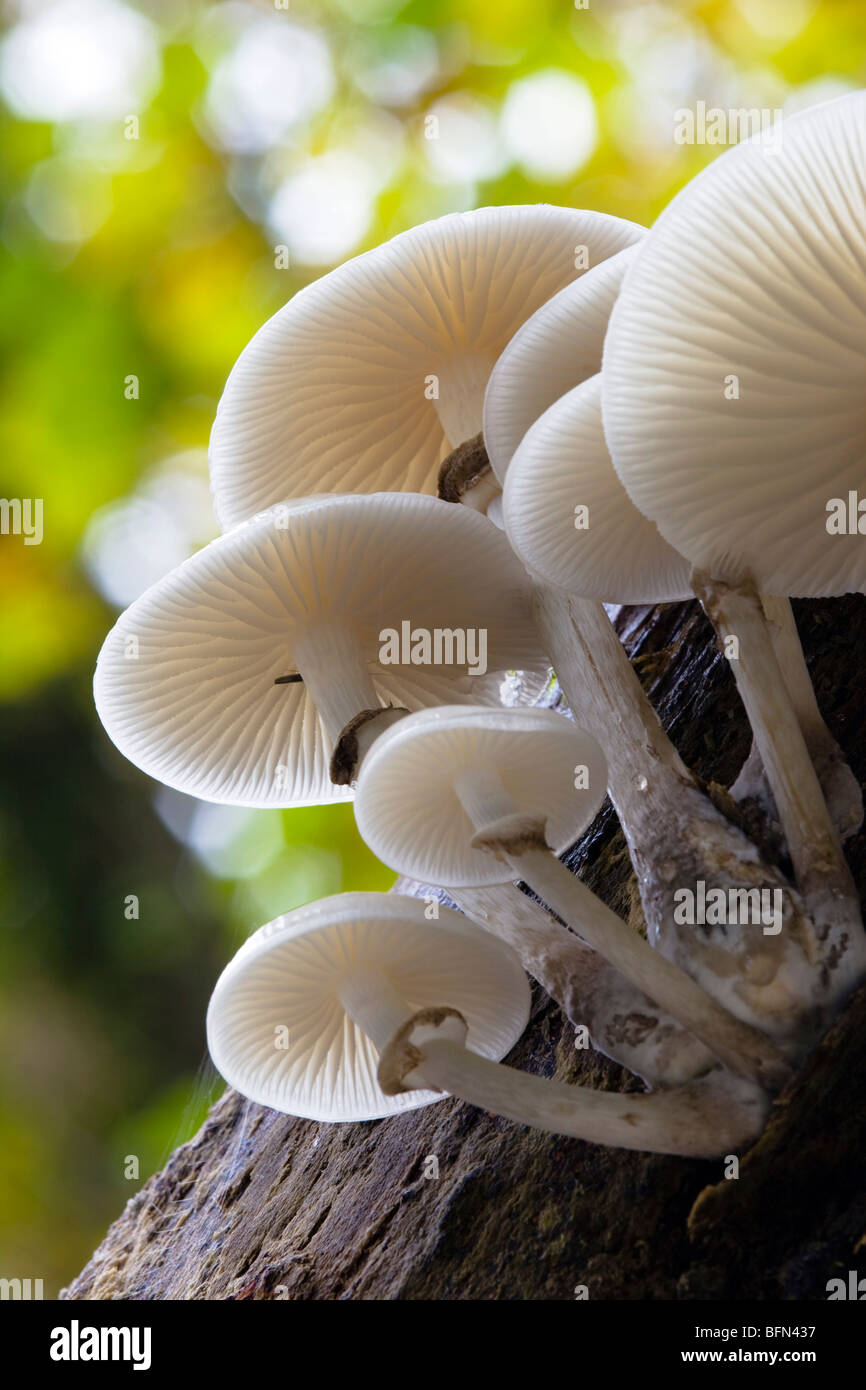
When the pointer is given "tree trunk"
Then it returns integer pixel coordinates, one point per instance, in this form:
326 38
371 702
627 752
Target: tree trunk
259 1205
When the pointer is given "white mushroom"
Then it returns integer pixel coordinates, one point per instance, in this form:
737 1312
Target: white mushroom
257 670
368 378
358 1007
299 1016
462 795
755 272
733 405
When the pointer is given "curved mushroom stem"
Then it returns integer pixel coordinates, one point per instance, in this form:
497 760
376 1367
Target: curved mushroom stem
820 869
841 789
518 840
705 1119
680 844
623 1023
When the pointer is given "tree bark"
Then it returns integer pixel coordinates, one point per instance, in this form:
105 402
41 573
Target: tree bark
260 1205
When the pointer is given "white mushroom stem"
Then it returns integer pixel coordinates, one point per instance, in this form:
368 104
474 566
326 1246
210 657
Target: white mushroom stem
701 1120
792 663
331 661
484 796
461 383
841 788
704 1119
503 830
743 1049
812 841
820 869
623 1023
370 730
646 773
483 495
676 837
374 1004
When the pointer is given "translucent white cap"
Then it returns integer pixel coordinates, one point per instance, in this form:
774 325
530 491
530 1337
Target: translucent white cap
279 1033
407 805
370 376
185 682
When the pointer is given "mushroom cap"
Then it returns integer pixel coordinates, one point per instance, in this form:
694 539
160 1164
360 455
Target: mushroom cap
288 974
184 683
409 813
756 271
563 463
329 396
556 349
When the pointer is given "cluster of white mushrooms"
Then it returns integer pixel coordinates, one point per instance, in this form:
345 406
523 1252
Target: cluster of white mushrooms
609 416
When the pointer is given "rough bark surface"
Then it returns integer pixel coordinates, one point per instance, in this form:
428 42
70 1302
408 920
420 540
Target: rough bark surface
262 1206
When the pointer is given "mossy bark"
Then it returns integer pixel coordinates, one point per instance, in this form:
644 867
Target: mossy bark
262 1206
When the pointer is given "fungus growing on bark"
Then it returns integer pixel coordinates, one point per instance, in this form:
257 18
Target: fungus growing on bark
457 288
381 1010
284 658
563 477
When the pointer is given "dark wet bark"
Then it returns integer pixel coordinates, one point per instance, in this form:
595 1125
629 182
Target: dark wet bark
262 1206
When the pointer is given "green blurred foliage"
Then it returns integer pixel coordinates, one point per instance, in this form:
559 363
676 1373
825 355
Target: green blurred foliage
156 257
